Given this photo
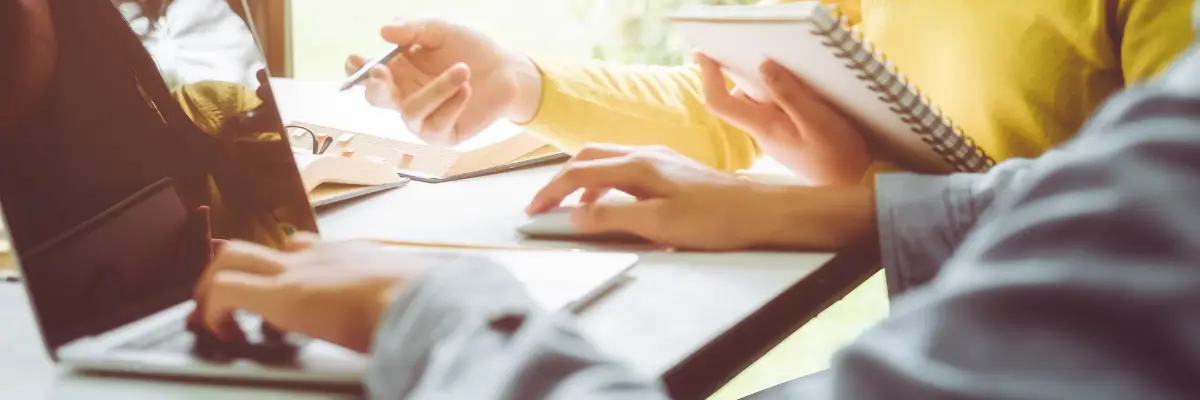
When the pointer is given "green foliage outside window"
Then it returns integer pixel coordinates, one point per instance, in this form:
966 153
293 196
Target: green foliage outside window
642 34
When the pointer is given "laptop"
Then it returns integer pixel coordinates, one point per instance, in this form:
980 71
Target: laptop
113 189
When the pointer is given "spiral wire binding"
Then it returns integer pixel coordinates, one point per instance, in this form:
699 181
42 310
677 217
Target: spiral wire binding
904 98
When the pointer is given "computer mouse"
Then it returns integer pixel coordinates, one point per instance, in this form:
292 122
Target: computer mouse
556 224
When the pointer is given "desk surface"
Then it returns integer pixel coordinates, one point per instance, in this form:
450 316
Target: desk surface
677 308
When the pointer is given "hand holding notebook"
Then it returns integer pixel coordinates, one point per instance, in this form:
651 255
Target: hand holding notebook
813 42
798 128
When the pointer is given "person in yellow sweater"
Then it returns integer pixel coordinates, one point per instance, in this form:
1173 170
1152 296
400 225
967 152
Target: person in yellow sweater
1018 77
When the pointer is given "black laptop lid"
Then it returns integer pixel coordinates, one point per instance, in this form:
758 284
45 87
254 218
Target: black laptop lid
152 114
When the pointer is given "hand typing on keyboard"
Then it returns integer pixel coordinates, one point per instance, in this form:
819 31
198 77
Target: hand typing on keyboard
270 347
335 292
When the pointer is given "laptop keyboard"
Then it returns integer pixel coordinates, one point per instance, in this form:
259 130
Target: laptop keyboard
177 337
262 344
174 337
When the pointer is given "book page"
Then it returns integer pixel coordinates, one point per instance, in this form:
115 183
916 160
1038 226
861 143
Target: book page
494 134
319 102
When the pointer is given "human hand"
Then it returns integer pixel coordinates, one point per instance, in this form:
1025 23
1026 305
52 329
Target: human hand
455 83
799 127
330 291
683 203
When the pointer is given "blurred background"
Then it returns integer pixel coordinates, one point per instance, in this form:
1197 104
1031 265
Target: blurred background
631 31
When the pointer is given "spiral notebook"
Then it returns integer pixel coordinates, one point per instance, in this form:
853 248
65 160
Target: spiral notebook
817 44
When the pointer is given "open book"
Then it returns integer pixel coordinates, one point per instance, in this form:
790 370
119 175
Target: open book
362 129
817 44
330 179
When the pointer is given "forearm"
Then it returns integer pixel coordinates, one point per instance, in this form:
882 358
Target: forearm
469 330
572 104
827 218
1082 290
917 220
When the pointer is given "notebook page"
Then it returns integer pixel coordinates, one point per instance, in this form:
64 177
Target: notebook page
743 43
319 102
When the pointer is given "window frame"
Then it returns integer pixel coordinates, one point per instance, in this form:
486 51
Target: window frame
272 20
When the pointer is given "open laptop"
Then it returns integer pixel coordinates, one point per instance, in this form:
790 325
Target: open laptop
110 198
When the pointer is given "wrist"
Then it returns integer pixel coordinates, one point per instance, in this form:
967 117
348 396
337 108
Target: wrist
817 218
527 78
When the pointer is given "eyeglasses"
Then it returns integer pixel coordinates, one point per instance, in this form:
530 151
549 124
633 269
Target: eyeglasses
301 137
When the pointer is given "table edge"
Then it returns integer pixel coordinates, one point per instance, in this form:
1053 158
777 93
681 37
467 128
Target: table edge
716 363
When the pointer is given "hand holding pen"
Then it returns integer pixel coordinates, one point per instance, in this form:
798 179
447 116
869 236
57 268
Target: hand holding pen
450 82
365 71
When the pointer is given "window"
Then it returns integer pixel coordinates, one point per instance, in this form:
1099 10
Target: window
322 33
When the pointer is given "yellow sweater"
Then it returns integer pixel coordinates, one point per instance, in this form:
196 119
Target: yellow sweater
1019 76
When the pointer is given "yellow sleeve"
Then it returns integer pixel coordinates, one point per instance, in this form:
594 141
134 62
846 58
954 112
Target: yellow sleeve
593 101
1153 34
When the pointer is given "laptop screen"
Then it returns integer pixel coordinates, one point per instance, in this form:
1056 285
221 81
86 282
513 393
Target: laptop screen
155 110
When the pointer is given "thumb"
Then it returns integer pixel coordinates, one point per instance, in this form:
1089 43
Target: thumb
640 218
426 33
737 111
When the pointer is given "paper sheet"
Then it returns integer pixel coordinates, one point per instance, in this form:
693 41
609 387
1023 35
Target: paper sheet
319 102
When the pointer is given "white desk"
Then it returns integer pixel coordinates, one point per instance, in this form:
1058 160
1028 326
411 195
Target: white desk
675 304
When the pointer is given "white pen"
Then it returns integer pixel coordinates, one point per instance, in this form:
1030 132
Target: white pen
365 71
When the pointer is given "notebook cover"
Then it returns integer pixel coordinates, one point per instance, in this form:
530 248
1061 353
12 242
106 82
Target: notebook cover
329 194
513 166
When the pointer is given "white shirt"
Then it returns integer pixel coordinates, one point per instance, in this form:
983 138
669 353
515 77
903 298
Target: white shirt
197 40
